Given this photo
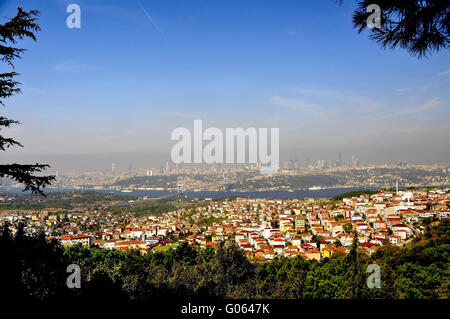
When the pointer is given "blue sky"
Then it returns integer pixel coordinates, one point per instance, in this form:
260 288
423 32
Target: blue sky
138 69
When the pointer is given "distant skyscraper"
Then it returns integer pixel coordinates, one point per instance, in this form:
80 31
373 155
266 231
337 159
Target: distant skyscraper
339 160
113 168
321 164
167 167
402 163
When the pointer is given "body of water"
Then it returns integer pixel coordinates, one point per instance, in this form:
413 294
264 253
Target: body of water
319 193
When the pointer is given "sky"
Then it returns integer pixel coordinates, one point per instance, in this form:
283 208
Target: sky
113 90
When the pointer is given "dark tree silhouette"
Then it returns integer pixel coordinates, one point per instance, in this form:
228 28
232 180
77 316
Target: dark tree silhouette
23 25
354 272
421 27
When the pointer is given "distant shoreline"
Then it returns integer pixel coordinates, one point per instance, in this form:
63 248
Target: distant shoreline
317 193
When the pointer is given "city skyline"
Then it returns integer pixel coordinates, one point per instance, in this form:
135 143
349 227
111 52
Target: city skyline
84 163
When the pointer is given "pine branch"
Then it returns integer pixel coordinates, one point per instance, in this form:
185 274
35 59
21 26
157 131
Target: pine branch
5 122
7 142
23 25
24 174
8 87
420 27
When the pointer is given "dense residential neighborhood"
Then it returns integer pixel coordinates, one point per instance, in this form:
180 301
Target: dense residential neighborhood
264 229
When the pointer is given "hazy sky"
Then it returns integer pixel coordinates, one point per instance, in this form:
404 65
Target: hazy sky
114 90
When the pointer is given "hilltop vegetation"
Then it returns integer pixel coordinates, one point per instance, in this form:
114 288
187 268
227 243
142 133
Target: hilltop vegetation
154 207
62 200
292 181
354 194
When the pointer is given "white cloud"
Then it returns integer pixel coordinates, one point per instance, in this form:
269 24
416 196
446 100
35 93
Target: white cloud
189 116
357 103
34 90
420 109
443 73
428 105
70 66
292 103
404 89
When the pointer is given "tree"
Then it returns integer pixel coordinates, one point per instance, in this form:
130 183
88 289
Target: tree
317 240
355 274
421 27
35 266
348 227
231 270
23 25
